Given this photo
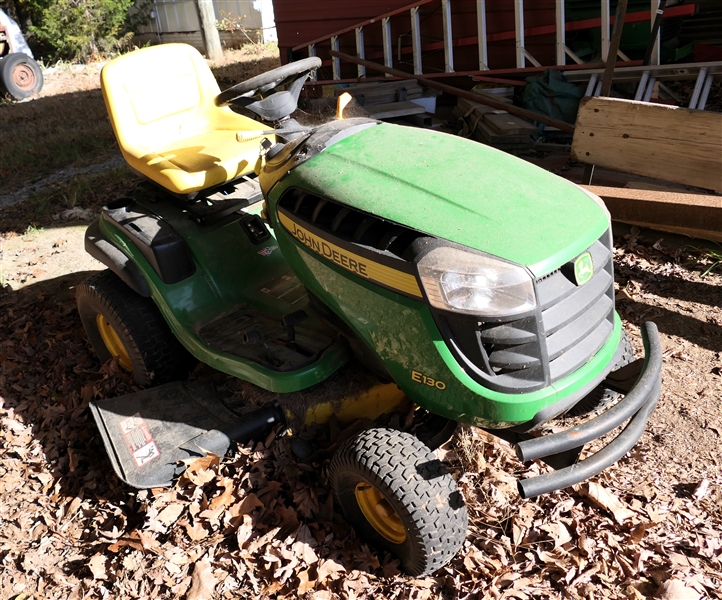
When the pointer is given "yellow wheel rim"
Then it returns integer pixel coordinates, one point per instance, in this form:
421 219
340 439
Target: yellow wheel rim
379 513
113 344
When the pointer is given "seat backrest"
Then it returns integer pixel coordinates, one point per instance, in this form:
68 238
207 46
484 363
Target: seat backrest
158 95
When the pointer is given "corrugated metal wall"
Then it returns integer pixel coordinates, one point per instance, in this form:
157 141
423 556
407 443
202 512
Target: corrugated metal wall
181 16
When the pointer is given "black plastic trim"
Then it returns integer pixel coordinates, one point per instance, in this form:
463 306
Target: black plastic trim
636 407
531 379
100 248
298 150
255 229
161 245
558 408
323 216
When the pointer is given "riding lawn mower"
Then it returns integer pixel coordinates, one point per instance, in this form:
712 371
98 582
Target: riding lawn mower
469 283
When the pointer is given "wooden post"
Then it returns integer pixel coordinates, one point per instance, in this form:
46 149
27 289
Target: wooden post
614 47
208 26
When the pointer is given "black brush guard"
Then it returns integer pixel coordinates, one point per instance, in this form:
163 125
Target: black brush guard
636 407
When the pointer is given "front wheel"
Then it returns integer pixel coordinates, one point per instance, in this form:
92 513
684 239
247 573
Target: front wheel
124 325
398 496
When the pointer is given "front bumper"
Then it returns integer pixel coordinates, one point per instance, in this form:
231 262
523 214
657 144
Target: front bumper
636 407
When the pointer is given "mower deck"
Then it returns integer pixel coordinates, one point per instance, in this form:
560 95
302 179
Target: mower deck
149 434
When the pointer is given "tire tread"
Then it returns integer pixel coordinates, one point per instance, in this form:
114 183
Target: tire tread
162 357
394 459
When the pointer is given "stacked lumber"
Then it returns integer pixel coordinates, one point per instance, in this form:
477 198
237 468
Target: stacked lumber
392 110
389 99
696 215
383 92
494 127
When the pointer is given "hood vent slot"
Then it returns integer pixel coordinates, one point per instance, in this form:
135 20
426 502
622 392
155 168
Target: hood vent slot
350 225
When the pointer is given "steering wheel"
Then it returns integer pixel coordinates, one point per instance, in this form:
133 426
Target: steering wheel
260 84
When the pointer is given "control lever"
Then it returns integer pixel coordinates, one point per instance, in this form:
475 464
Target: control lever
289 322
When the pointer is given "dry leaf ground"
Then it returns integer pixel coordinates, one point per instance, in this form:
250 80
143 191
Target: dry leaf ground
261 524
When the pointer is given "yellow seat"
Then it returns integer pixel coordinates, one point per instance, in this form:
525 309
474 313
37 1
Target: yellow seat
161 104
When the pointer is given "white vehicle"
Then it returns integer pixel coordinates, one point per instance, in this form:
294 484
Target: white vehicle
20 75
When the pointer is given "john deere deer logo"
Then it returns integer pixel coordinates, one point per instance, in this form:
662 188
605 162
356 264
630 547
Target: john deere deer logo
583 268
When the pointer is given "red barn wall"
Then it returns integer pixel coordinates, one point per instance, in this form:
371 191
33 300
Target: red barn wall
301 21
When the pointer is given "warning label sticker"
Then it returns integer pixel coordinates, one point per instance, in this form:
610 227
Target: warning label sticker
287 288
139 440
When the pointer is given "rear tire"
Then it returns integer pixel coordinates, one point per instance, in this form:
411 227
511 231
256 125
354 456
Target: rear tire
20 75
398 496
120 323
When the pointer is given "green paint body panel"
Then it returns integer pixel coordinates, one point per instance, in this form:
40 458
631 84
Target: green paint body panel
458 190
469 194
229 271
404 336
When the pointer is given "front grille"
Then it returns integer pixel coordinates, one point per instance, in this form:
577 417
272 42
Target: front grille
569 326
578 320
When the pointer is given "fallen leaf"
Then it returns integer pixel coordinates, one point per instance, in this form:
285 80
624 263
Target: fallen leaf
701 489
196 531
97 566
637 533
177 556
170 514
603 498
674 589
304 582
131 541
329 569
226 497
558 532
73 507
306 502
203 582
245 506
245 530
305 552
201 470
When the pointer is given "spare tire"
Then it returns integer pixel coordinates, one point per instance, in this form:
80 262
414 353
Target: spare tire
20 75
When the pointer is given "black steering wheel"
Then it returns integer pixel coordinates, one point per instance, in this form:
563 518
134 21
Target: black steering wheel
260 84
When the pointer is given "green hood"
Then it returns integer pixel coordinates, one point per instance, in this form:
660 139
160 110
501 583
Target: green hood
458 190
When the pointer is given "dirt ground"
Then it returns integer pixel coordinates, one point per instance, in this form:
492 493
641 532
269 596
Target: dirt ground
262 523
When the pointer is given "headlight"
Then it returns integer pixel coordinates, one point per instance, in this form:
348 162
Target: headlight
469 283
